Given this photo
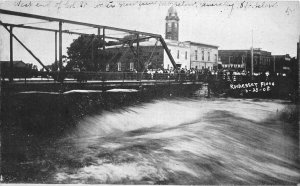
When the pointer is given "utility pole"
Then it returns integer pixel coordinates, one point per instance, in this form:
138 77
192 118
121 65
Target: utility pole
252 56
103 33
99 37
274 64
11 64
298 76
56 65
245 61
92 53
137 52
60 46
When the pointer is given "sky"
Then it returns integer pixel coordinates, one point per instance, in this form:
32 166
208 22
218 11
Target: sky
227 24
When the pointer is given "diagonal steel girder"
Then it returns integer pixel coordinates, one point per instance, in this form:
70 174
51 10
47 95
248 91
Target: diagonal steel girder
27 49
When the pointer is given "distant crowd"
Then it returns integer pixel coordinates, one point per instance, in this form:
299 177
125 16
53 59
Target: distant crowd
197 74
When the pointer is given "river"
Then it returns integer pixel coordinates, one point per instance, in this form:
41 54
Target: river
163 141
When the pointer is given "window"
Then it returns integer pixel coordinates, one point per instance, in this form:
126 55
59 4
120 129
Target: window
196 55
230 59
185 54
169 27
216 58
119 66
177 54
168 66
107 67
202 55
131 66
208 56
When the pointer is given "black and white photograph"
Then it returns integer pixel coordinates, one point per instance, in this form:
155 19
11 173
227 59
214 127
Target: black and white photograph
142 92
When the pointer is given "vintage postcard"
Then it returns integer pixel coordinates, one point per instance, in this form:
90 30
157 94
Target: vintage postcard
181 92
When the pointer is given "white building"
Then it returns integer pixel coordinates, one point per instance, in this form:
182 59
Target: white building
203 56
180 52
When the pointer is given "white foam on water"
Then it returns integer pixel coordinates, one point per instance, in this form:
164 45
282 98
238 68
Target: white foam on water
160 114
82 91
122 90
183 131
175 166
113 173
37 92
111 145
166 134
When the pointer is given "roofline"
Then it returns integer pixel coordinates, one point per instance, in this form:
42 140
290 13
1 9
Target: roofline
243 50
191 42
282 55
234 49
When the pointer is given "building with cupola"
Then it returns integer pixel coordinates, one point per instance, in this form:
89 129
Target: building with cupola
172 25
201 55
186 54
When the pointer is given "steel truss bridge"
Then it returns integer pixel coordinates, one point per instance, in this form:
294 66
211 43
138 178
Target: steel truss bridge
102 32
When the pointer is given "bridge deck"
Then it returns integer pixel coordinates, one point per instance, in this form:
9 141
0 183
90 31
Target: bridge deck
50 85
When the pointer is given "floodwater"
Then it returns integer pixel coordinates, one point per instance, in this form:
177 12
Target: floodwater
165 141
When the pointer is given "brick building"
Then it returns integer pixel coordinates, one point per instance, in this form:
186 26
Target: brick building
241 60
123 59
283 63
151 56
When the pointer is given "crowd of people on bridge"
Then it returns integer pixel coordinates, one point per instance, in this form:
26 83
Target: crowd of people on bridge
200 74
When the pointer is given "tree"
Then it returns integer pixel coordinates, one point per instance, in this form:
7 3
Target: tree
85 53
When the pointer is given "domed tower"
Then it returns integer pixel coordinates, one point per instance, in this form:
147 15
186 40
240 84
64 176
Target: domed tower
172 26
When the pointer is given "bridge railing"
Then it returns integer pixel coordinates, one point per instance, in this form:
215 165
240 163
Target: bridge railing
133 76
104 76
127 76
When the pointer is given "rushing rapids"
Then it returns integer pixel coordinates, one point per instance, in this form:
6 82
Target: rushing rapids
166 141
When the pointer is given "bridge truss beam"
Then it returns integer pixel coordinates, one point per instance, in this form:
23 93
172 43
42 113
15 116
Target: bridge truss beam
51 19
